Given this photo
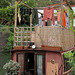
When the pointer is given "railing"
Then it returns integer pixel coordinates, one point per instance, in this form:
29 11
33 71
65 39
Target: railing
22 35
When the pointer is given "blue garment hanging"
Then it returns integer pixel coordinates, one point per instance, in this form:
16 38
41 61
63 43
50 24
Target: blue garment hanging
67 21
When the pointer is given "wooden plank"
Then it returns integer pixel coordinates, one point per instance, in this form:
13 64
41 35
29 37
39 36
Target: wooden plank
52 69
31 23
21 36
17 35
40 13
27 37
26 5
15 29
21 32
30 7
61 12
24 27
22 41
15 13
24 36
35 34
19 1
68 4
68 71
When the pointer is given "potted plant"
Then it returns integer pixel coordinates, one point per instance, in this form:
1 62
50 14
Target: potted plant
11 67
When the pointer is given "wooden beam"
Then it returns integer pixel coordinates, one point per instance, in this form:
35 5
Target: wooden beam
68 4
70 8
61 12
19 1
40 13
31 23
30 7
15 13
26 5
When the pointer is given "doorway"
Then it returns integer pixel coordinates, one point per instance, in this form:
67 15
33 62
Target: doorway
29 67
32 63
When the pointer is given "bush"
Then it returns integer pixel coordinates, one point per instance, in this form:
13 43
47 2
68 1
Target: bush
7 15
11 67
9 32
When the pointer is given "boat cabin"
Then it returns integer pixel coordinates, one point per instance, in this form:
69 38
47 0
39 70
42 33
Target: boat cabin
42 62
40 50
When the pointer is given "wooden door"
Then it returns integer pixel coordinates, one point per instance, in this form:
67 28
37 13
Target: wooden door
52 69
20 60
29 63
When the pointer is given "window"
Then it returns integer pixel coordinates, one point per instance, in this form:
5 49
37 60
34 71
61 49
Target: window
67 60
39 65
74 22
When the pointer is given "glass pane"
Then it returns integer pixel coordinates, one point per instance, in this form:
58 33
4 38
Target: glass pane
39 65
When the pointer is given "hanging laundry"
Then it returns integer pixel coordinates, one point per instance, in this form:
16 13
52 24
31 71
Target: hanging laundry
64 18
59 16
24 11
21 11
49 15
67 21
40 20
29 11
46 23
35 16
19 15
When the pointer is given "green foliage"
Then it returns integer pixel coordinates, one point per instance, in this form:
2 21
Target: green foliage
70 56
71 1
5 50
71 19
4 3
30 3
5 57
7 15
43 3
11 66
10 31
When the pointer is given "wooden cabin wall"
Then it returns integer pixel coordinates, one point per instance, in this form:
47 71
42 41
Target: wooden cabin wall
19 57
14 58
53 56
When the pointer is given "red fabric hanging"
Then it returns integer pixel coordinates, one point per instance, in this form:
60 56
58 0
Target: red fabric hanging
64 18
59 16
48 15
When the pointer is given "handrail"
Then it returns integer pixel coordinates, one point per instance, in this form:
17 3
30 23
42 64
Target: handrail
68 71
22 35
